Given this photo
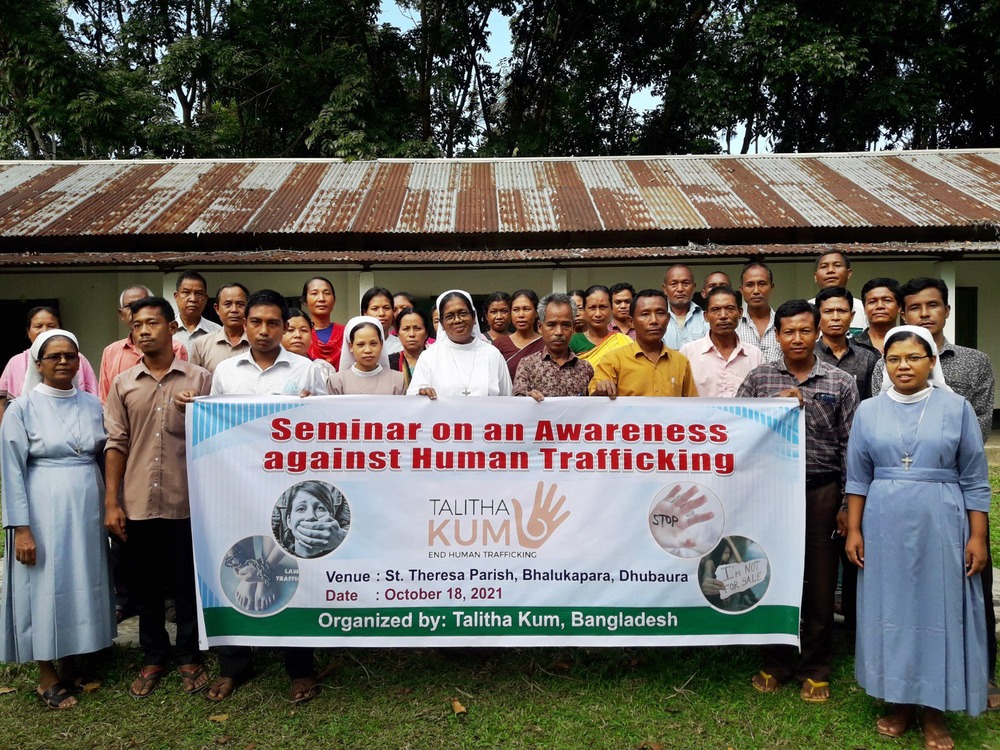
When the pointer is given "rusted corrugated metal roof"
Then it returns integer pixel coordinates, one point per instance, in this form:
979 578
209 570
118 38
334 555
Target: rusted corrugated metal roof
445 205
487 257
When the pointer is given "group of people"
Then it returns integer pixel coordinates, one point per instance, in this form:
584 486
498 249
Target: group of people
896 418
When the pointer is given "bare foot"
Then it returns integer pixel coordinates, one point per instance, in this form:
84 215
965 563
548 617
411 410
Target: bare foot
304 689
936 734
222 687
897 722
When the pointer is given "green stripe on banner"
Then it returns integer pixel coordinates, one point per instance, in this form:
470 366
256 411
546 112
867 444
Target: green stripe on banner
500 621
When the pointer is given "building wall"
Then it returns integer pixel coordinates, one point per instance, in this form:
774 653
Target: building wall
89 299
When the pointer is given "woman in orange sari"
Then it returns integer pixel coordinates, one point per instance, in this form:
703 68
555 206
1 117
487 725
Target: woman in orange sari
596 341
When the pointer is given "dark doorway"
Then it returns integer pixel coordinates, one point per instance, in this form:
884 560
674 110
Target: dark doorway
14 312
967 316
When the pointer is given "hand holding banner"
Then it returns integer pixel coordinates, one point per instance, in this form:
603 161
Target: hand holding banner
570 521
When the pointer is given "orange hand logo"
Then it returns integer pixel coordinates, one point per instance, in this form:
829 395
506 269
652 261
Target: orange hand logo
544 520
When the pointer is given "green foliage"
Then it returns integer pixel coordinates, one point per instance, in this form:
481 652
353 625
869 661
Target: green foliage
259 78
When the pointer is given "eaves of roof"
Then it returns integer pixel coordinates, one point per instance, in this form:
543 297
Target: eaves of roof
461 206
489 257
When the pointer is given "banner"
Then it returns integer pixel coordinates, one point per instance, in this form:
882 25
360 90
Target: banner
401 521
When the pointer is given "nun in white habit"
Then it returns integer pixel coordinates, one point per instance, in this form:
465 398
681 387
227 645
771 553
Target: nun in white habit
460 363
364 362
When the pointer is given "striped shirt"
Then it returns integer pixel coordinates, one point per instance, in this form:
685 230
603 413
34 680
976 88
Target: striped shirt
768 343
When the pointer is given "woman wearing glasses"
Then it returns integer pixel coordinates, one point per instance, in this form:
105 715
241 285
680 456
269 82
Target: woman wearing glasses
461 363
57 599
918 495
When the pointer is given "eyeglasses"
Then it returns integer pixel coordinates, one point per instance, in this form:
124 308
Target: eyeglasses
457 316
54 358
911 359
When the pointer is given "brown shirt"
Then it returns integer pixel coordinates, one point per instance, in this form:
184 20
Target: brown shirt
209 351
144 424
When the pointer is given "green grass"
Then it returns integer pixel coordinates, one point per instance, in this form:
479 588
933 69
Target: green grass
520 698
516 698
995 518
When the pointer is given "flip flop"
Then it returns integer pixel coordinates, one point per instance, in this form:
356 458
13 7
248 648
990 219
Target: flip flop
191 676
55 696
815 691
150 680
765 683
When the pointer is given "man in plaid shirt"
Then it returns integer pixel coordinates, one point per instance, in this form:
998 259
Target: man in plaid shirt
829 397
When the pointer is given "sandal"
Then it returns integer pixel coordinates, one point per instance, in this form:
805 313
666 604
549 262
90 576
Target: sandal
147 680
222 687
191 677
304 689
77 684
815 691
56 696
765 683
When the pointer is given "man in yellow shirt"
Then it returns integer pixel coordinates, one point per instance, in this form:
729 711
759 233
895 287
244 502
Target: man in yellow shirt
647 367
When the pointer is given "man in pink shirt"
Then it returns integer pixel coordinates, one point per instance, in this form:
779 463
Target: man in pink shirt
121 355
720 361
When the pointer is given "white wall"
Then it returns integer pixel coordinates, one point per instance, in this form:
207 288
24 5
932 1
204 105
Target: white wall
89 300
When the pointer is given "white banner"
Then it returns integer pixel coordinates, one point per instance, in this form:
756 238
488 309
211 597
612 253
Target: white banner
401 521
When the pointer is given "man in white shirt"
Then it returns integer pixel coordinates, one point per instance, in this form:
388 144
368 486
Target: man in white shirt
756 325
833 268
687 321
267 368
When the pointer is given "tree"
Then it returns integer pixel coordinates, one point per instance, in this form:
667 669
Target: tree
258 78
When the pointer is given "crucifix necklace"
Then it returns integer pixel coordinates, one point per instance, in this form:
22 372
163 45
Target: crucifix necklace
907 459
472 370
77 435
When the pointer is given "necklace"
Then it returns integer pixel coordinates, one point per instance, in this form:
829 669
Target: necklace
472 370
907 459
76 434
